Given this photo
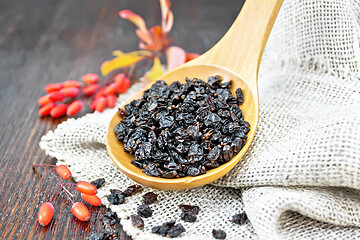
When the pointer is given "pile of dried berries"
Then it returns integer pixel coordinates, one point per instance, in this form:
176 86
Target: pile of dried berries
183 129
87 190
169 229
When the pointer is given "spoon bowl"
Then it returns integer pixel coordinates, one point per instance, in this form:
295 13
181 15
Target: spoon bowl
235 57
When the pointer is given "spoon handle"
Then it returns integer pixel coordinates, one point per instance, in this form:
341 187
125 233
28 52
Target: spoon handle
241 48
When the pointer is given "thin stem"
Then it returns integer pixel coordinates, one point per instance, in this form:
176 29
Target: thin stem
57 188
60 183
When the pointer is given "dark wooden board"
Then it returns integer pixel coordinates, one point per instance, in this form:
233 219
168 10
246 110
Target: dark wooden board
44 41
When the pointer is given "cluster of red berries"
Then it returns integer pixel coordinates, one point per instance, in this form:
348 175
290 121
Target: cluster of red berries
80 211
63 98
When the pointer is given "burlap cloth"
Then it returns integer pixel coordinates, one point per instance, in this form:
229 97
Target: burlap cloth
301 177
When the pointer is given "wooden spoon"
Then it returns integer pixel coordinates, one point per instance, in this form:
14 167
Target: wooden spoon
235 57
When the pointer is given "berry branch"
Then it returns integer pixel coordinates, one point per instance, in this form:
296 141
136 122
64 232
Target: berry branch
87 190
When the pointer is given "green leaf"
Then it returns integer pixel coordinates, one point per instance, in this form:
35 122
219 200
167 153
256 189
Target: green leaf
156 71
123 60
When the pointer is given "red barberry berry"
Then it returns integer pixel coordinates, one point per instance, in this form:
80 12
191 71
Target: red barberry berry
74 108
46 212
93 104
56 96
90 78
123 84
53 87
63 171
90 90
58 110
86 188
70 91
80 211
71 83
111 100
119 78
111 89
91 199
44 100
46 109
100 93
100 104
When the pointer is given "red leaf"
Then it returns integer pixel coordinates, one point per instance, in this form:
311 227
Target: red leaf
156 31
168 24
165 7
134 18
175 57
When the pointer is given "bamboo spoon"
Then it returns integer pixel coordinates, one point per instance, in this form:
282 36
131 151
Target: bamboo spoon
235 57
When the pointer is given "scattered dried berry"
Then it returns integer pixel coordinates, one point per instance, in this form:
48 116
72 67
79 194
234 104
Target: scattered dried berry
116 197
137 221
218 234
187 217
133 189
110 218
189 209
239 218
169 229
101 235
98 182
144 211
183 129
149 198
111 231
239 95
175 231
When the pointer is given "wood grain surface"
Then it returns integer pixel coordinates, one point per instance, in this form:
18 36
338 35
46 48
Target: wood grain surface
44 41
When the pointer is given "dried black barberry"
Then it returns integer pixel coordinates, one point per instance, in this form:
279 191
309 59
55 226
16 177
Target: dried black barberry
239 218
98 182
189 209
137 221
132 190
187 217
110 218
144 210
239 95
169 229
116 197
218 234
183 129
149 198
101 235
112 232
